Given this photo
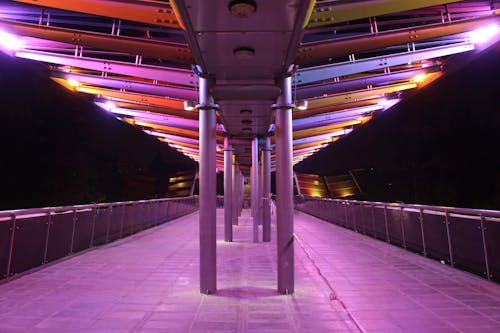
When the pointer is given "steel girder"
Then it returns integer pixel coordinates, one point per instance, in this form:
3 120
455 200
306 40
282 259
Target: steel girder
132 45
157 118
129 85
164 74
312 53
322 138
326 72
360 94
309 91
130 96
334 117
156 13
363 9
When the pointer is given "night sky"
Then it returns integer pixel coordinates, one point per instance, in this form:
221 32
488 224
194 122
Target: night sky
438 147
59 149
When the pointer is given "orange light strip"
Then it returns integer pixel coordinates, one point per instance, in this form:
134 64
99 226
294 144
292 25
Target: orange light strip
359 95
133 97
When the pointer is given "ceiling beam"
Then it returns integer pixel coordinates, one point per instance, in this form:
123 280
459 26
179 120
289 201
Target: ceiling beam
154 13
131 96
325 130
156 118
156 109
334 117
299 114
360 94
309 91
326 72
343 12
129 84
312 53
164 74
179 53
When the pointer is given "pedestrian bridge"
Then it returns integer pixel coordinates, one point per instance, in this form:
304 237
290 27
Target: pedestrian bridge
149 281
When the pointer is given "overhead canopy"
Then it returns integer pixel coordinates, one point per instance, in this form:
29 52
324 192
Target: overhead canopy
136 57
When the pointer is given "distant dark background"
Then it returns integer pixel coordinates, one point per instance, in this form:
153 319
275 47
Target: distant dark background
58 148
438 147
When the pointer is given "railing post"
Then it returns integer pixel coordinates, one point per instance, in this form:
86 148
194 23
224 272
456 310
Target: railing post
11 246
346 215
485 250
49 222
73 232
110 216
92 230
402 226
373 222
447 222
386 225
122 219
424 247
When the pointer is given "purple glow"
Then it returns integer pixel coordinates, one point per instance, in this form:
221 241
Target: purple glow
9 42
484 34
389 103
108 106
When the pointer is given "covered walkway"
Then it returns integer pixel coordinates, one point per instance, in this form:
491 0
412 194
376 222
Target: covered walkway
345 282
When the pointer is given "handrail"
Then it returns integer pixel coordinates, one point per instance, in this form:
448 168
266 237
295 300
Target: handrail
461 237
29 211
36 236
444 209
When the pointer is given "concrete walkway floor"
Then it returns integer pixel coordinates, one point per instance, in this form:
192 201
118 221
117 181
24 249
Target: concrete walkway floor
345 282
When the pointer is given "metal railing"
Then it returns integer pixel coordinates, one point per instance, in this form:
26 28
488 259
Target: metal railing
468 239
34 237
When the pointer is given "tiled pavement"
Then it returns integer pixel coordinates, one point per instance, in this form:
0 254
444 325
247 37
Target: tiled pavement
345 282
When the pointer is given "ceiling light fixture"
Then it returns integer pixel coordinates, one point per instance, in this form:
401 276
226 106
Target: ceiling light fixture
302 105
244 53
484 34
242 8
9 42
419 78
73 82
189 105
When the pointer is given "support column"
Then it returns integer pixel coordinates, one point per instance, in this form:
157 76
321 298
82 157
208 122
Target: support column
234 214
254 174
284 189
241 193
228 191
261 186
208 188
266 188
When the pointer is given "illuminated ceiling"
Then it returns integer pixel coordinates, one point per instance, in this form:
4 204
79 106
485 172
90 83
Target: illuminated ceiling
349 60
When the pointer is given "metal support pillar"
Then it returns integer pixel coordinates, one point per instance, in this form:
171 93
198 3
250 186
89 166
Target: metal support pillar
208 188
228 191
235 197
241 192
261 187
266 189
284 189
255 188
